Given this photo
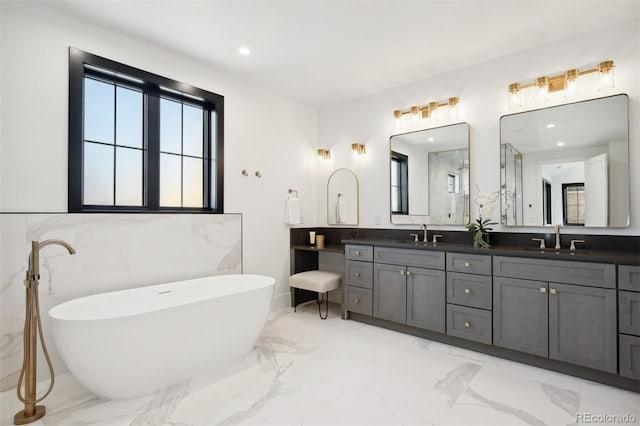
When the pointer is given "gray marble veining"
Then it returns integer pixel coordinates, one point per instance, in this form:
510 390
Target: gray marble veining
566 399
457 380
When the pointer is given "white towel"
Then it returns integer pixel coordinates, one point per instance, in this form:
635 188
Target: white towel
293 211
341 210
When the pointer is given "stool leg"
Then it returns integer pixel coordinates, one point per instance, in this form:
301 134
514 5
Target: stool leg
319 299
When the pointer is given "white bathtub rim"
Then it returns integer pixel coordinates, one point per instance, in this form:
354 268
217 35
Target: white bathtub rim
57 313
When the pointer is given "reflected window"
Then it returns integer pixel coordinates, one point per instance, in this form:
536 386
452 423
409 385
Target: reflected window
453 183
136 144
573 204
399 183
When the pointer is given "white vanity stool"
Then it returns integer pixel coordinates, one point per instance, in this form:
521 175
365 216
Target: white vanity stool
319 281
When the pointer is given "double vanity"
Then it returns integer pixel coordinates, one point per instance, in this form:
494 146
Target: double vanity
574 312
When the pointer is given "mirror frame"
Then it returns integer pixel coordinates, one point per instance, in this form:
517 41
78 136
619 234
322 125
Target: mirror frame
426 218
357 221
557 106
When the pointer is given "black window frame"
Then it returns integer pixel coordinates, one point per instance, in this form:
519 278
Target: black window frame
154 87
403 179
565 213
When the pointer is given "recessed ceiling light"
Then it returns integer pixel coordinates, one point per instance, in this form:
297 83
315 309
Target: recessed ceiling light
550 126
244 51
431 139
560 143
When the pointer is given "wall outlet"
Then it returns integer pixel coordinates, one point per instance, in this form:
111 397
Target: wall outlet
377 220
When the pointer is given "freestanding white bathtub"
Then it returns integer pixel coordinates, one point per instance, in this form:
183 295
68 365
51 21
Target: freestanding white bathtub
134 342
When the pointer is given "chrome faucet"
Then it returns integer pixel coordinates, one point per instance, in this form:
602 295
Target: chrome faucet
425 237
558 237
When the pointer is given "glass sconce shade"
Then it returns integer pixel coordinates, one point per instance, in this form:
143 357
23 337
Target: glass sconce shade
542 88
571 83
397 121
515 96
605 76
323 154
415 116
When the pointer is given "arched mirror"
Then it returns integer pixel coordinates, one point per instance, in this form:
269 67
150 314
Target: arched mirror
429 172
342 198
567 164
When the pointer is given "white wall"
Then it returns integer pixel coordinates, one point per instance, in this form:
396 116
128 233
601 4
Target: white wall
482 90
263 131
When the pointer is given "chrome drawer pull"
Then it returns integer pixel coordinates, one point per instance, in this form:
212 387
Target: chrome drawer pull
543 290
467 264
408 273
401 272
357 253
552 290
357 300
467 291
357 274
467 324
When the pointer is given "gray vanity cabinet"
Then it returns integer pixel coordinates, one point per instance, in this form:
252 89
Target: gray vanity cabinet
407 290
629 320
582 326
390 292
521 315
426 299
358 279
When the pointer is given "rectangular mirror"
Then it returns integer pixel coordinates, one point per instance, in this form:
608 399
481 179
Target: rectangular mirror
430 176
567 165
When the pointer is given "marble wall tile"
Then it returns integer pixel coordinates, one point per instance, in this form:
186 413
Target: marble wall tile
114 252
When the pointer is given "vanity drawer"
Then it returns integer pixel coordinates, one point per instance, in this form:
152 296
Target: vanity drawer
469 263
469 323
469 290
630 356
409 257
629 312
358 300
359 274
629 277
355 252
559 271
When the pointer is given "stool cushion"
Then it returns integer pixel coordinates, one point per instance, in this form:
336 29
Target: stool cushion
320 281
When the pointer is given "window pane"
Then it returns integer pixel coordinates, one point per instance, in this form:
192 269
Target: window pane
128 177
395 172
192 131
212 187
170 195
128 117
192 182
395 196
98 111
98 174
170 126
213 126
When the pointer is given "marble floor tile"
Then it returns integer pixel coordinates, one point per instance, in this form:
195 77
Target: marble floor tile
305 371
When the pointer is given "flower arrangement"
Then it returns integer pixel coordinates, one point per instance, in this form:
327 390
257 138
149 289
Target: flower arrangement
481 227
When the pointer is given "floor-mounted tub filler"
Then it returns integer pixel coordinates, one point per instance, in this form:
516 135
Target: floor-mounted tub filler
130 343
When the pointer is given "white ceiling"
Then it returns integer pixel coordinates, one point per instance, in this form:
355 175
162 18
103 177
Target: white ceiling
328 52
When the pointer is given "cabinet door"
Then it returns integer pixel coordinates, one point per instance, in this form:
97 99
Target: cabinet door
582 326
426 302
520 315
390 292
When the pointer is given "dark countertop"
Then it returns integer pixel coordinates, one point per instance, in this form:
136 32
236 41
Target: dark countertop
331 248
602 256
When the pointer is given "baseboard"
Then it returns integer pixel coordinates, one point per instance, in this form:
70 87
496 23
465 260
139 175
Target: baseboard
280 301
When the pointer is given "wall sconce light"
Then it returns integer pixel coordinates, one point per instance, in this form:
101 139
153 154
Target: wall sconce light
323 154
421 115
359 148
570 82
